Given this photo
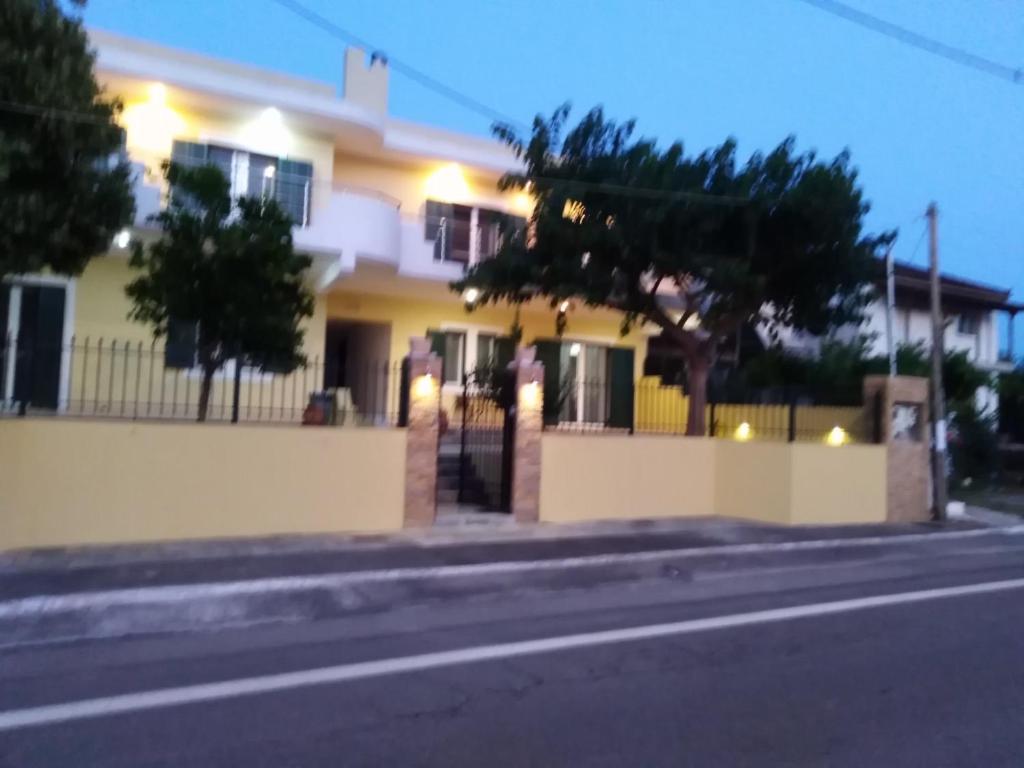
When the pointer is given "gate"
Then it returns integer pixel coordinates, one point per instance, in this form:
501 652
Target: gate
475 456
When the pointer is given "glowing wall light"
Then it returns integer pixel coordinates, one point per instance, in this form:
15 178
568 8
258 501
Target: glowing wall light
447 184
743 432
530 396
838 436
151 126
268 134
424 386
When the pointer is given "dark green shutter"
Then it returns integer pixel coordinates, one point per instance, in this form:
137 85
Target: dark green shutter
620 388
549 353
180 350
504 351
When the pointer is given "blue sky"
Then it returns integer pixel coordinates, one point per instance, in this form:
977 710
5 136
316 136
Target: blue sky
920 128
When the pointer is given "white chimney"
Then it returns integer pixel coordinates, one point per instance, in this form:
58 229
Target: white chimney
366 82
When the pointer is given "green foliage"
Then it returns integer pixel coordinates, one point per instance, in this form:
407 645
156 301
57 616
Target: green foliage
973 444
1011 404
777 238
236 278
63 192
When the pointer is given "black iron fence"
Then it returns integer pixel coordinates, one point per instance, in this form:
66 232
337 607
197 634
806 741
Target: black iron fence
651 407
128 379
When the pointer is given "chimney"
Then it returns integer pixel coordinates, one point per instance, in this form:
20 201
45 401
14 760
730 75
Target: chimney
366 83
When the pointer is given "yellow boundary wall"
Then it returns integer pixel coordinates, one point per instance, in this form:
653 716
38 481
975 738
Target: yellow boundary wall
67 481
594 477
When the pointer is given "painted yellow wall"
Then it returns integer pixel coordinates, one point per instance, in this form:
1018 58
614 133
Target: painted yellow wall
414 317
596 477
606 477
412 184
838 485
66 481
752 480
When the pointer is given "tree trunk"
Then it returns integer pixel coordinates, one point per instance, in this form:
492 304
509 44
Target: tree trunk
204 391
697 368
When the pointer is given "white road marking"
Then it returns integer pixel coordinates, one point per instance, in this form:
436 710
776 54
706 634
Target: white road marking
193 694
44 605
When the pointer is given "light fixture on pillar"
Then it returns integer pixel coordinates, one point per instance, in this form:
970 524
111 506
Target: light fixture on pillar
424 386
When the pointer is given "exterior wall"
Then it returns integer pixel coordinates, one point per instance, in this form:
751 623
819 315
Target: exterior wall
69 482
594 477
605 476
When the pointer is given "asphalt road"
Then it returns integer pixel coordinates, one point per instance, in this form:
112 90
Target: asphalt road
936 682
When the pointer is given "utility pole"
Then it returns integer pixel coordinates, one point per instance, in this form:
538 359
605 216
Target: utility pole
938 395
890 308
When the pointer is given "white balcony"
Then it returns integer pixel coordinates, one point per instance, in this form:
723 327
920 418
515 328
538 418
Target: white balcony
353 224
148 195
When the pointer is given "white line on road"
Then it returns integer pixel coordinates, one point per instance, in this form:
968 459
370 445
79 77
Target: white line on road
193 694
176 594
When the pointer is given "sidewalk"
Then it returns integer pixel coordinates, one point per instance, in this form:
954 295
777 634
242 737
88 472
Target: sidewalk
91 569
105 592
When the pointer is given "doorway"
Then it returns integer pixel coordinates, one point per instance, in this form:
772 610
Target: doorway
357 365
35 349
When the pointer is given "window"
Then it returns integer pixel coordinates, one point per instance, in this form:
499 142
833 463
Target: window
450 346
968 325
287 181
493 350
464 234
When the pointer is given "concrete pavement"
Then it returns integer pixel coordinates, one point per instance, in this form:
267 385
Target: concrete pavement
938 682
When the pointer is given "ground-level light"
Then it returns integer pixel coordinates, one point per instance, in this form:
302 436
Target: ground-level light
743 431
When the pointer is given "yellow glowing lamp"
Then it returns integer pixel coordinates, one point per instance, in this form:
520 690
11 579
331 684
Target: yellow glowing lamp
743 432
447 184
837 436
424 386
151 125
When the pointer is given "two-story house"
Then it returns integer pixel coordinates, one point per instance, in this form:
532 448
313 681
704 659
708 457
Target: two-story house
390 212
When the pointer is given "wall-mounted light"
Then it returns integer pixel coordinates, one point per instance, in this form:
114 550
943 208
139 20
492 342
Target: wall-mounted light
447 184
564 306
743 432
268 133
470 295
122 239
424 386
269 171
837 436
530 394
150 125
575 348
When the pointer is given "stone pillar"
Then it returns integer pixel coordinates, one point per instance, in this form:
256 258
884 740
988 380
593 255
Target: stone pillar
904 429
422 434
529 423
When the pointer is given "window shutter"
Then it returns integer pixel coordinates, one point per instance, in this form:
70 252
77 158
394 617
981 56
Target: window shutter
620 386
504 351
549 353
180 349
293 186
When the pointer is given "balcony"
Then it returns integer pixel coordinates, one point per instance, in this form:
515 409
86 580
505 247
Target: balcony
353 224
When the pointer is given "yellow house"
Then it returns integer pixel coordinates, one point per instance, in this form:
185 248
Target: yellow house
390 211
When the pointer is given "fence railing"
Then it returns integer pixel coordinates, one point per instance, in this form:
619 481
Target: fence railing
651 407
125 379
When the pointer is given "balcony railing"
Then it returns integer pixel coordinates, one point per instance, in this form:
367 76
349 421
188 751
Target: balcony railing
460 241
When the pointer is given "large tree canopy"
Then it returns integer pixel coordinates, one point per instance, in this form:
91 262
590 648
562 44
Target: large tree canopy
64 191
696 245
227 272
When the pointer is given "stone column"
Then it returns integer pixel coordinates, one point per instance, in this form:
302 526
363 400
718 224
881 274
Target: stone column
529 377
904 430
422 434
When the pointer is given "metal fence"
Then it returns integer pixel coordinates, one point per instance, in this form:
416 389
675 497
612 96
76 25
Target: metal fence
651 407
127 379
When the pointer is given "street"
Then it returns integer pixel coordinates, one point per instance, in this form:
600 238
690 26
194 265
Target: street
931 673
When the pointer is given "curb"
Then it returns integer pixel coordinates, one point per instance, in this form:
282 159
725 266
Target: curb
42 606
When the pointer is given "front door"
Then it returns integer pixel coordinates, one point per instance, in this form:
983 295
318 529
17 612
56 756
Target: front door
32 321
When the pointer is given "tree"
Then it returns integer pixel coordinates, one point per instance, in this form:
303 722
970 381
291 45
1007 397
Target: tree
229 272
64 190
697 246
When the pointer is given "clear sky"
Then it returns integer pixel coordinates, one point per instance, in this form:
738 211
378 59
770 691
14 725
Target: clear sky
920 128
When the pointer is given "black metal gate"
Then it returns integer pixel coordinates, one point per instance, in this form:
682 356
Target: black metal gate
476 451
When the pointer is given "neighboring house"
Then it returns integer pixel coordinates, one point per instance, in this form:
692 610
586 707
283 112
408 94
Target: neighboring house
390 211
970 311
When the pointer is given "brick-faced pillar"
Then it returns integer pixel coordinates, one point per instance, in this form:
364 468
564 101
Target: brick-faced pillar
903 425
422 434
529 424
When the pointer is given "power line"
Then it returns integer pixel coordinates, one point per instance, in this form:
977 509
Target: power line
427 81
902 34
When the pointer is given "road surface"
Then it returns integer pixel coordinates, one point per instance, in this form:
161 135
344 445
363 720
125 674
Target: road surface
906 655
